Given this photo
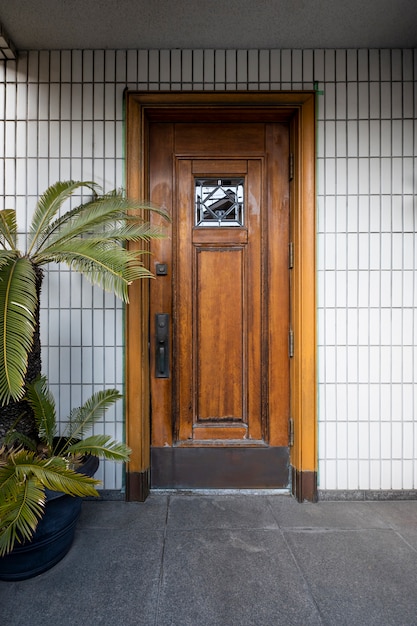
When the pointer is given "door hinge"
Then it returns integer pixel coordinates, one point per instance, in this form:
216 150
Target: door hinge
290 432
290 255
291 343
291 166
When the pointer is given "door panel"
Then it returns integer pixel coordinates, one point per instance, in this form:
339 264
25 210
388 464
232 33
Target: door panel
218 318
217 139
227 292
220 332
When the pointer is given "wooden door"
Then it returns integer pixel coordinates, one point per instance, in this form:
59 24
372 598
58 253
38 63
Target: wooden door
219 313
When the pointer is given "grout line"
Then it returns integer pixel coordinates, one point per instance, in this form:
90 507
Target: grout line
161 571
407 543
298 567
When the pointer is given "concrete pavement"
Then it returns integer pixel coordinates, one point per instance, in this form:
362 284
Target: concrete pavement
228 560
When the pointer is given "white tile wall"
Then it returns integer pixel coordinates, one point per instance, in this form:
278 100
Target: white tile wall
61 116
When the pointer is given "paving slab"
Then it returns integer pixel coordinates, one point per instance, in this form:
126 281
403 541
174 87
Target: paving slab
343 515
110 576
232 578
228 511
149 515
399 515
358 577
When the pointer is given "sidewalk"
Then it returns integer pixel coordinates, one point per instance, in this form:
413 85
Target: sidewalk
228 560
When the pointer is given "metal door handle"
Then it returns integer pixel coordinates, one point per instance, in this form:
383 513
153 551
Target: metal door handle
161 359
162 345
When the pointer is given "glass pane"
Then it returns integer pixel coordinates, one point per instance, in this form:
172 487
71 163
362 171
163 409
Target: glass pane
219 202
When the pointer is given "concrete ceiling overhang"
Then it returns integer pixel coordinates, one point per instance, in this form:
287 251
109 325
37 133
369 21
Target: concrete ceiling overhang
236 24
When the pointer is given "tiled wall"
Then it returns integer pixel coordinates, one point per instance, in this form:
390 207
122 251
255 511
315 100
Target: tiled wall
367 259
61 116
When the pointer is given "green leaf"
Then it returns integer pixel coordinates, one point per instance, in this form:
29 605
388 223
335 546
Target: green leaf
132 230
64 479
106 264
23 480
105 222
83 418
20 514
102 446
96 217
42 403
52 473
7 256
14 438
8 228
18 302
47 207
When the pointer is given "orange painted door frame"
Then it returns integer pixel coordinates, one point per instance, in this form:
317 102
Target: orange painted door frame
298 110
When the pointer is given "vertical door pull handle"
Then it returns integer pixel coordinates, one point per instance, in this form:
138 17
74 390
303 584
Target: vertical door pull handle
162 345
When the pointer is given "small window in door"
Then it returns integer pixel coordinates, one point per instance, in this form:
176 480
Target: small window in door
219 202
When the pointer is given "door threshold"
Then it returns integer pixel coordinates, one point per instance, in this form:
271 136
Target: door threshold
220 492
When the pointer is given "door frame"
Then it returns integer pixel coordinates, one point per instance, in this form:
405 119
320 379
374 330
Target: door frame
298 109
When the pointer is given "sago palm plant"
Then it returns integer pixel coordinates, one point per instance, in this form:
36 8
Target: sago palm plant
50 461
90 239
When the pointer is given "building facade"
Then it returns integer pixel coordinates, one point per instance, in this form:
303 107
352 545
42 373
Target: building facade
62 117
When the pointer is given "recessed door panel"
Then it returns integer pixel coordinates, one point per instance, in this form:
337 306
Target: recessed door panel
220 351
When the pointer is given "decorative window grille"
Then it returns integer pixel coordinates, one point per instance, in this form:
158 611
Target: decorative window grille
219 202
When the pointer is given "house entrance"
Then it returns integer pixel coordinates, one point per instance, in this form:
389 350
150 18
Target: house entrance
221 374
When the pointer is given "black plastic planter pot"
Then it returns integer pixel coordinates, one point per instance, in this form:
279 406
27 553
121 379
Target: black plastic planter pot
53 537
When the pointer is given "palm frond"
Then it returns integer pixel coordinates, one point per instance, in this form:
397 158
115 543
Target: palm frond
102 446
42 403
96 216
8 228
53 473
105 264
20 514
83 418
131 229
80 221
6 256
17 324
64 479
14 438
23 479
47 207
